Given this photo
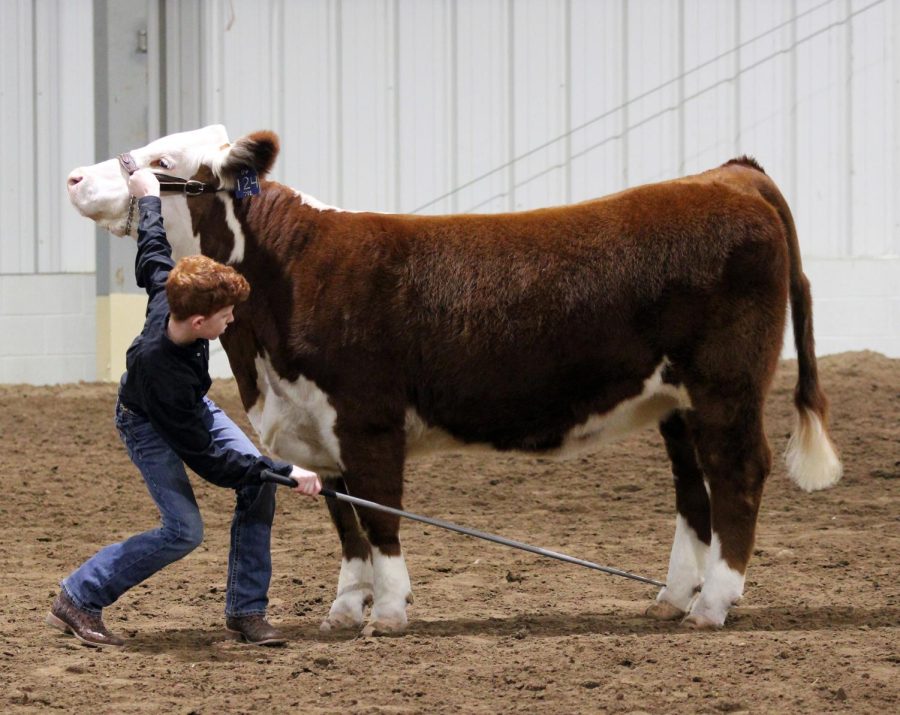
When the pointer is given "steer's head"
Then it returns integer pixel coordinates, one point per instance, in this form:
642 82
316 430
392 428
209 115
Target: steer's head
100 192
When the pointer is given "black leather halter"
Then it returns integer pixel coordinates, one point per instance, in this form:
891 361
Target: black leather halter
188 187
174 184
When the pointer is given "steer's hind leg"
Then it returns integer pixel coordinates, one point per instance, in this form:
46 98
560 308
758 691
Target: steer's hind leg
691 542
375 473
735 458
356 583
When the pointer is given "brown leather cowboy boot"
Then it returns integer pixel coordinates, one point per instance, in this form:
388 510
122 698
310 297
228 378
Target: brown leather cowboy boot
86 627
254 629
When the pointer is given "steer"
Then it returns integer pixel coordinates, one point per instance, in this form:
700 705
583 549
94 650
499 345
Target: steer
369 338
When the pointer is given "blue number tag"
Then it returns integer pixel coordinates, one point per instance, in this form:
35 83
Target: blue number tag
247 184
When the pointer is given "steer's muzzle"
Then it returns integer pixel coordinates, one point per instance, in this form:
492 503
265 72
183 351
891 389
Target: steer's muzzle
74 179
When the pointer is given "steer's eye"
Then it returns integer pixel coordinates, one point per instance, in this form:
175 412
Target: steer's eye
163 163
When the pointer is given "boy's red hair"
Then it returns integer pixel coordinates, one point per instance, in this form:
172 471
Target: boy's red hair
198 285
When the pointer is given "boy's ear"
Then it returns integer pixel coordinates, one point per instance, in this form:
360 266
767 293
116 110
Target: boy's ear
255 151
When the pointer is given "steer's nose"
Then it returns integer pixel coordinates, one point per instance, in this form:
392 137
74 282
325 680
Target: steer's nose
74 179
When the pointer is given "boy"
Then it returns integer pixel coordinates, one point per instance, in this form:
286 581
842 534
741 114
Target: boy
166 421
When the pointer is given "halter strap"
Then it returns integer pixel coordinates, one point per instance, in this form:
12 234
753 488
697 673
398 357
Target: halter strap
188 187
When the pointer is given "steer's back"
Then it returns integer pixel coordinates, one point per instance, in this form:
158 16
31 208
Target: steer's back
619 250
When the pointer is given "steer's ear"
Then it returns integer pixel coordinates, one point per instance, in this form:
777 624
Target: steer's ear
255 151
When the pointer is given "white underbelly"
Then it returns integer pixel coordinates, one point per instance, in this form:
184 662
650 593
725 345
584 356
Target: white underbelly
655 401
295 421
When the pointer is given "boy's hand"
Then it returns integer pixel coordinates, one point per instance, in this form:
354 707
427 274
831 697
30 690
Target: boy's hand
142 183
307 482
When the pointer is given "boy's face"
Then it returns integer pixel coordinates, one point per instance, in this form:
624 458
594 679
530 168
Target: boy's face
210 327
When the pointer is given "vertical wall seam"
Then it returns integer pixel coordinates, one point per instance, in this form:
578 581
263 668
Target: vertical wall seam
54 223
339 99
153 65
199 67
681 149
737 77
894 74
567 103
218 60
35 257
453 108
278 72
101 136
792 108
163 68
848 113
511 107
395 105
625 80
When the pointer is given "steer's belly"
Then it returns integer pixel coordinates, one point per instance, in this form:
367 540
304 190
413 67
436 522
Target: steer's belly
295 421
655 401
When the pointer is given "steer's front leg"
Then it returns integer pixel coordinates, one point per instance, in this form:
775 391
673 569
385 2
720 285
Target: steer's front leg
374 463
392 593
356 584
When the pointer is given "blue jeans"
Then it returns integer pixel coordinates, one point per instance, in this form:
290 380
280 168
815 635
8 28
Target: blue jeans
113 570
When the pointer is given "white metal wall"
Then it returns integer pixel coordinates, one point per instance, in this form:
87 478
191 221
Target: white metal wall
47 125
493 105
47 331
486 105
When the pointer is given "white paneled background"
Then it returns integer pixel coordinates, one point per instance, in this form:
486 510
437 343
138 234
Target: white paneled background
47 125
491 105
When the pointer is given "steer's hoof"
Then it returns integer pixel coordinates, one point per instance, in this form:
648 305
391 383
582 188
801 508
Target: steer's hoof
699 622
340 622
664 611
376 630
384 627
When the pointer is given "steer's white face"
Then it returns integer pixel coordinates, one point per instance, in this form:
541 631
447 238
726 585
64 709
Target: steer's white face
100 192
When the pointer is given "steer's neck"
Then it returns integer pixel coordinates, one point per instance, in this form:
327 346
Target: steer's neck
231 230
262 237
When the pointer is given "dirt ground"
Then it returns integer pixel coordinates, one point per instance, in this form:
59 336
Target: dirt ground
491 630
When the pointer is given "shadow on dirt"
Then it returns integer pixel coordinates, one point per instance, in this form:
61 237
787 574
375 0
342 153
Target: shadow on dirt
214 644
618 623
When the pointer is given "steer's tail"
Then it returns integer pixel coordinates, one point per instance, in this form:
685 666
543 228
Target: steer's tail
812 460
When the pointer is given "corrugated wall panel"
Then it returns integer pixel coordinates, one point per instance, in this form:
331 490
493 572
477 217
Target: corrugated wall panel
247 53
653 47
487 105
892 149
710 89
598 100
823 144
420 85
64 133
368 109
74 236
17 253
184 66
768 124
538 103
475 105
309 127
482 111
48 110
872 123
